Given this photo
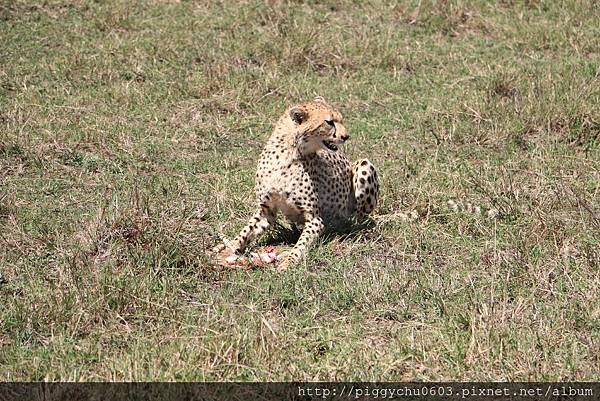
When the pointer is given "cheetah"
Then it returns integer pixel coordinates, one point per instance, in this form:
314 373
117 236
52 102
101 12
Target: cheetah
303 174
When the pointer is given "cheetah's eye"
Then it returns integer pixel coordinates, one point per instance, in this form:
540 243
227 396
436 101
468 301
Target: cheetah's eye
329 121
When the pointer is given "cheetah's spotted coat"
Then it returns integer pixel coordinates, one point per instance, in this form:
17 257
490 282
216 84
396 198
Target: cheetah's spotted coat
303 175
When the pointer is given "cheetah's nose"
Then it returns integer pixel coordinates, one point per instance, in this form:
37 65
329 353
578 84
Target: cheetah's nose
345 137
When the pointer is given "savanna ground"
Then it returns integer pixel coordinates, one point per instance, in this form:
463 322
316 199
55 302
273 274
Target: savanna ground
129 135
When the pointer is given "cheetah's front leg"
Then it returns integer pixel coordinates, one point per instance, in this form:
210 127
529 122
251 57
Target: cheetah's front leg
257 225
366 187
312 229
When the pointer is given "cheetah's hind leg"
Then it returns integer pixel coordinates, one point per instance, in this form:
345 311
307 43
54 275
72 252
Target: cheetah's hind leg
366 187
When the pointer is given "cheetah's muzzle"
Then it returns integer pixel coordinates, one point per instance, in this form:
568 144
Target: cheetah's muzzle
329 145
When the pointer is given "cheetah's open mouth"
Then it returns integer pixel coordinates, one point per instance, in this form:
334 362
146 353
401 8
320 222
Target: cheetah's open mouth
329 145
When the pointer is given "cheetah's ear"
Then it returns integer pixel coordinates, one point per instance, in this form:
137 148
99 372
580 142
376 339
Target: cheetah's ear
298 115
321 99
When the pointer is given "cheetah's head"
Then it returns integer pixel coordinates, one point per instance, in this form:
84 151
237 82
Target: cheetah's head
319 126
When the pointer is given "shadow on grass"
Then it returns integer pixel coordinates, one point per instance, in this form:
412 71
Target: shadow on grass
282 234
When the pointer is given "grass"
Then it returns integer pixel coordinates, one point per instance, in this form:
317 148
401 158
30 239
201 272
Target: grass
129 136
